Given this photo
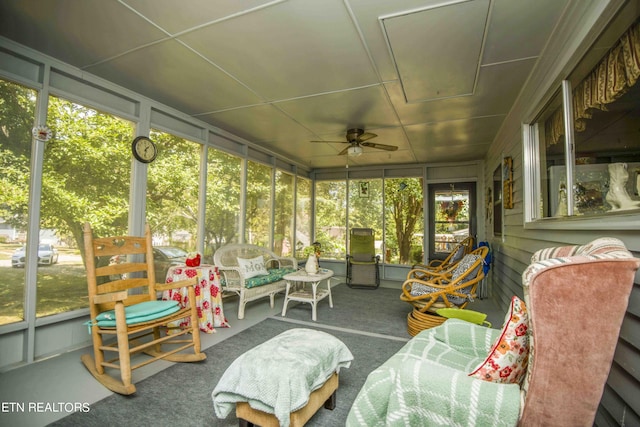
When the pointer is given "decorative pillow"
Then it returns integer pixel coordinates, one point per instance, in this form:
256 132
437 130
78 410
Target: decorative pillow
464 265
459 270
468 260
252 267
507 359
458 255
418 289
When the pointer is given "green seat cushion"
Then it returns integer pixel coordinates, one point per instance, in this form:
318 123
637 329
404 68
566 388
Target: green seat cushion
464 314
139 313
274 275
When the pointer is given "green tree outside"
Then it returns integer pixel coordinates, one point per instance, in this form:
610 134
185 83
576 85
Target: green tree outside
404 218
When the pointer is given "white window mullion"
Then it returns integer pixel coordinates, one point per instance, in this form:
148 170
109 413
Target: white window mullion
569 141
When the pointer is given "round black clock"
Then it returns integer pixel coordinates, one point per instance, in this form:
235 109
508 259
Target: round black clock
144 149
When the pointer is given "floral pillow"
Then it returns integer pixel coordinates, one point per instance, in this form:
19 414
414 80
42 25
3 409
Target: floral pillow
507 359
252 267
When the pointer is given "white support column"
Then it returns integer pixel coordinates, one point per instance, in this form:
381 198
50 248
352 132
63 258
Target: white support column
138 184
202 199
33 234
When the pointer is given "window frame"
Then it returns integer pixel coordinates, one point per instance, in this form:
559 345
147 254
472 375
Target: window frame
471 187
533 217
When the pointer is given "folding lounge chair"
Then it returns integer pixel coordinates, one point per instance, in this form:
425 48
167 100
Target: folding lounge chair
363 265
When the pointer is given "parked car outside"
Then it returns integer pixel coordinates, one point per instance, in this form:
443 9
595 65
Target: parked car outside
164 257
47 255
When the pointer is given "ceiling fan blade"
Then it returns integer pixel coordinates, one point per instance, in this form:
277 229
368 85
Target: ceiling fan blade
343 152
333 142
366 136
379 146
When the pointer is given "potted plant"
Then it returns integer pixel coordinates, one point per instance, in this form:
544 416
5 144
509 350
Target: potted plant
451 209
313 256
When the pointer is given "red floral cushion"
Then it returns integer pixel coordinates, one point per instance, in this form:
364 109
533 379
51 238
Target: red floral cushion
507 359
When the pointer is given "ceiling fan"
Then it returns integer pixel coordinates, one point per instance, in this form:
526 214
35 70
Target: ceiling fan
358 138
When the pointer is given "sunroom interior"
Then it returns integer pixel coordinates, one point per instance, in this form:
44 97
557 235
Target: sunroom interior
287 122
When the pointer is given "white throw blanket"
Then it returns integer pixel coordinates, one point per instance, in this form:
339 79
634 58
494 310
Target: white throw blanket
278 376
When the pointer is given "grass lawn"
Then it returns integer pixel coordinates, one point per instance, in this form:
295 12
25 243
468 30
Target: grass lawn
60 288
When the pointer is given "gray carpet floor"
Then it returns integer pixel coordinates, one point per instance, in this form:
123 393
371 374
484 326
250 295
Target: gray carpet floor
372 323
372 310
379 311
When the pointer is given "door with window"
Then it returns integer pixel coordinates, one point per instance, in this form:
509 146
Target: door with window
452 211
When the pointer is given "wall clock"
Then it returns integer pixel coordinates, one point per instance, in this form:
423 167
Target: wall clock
144 150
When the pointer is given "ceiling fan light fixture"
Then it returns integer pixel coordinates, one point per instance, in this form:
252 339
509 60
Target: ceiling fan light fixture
354 151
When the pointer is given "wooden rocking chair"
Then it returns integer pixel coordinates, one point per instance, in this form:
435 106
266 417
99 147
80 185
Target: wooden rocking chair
126 317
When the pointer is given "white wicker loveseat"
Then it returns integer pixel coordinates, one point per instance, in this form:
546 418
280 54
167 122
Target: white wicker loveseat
246 284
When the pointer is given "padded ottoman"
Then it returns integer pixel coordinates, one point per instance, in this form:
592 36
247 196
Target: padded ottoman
324 396
283 381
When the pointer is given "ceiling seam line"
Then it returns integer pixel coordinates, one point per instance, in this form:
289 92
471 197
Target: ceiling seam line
293 98
143 17
170 36
510 61
229 17
387 42
422 9
329 92
232 77
354 20
483 45
459 120
126 52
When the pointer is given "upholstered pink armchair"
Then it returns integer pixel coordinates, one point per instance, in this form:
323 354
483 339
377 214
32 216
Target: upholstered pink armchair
460 373
577 297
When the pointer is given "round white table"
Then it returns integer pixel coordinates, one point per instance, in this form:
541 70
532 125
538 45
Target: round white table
297 291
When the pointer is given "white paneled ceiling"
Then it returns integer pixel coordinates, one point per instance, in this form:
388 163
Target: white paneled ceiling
446 65
435 78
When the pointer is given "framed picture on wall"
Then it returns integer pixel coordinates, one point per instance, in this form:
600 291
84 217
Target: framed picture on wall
364 188
507 182
496 214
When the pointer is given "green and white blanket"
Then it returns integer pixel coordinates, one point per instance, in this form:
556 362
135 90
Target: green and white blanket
278 376
427 384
